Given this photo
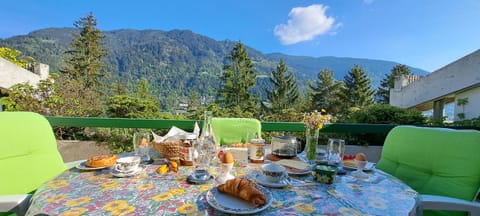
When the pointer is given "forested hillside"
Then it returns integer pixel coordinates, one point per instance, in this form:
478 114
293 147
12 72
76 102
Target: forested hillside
179 62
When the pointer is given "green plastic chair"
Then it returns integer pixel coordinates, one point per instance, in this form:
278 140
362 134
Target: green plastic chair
443 165
233 130
28 158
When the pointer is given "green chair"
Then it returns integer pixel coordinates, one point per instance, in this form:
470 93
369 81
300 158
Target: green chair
28 157
443 165
233 130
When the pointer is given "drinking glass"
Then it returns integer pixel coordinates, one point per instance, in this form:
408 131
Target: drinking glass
204 151
335 151
141 143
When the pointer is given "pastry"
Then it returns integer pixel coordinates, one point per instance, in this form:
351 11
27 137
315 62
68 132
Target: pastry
244 189
102 160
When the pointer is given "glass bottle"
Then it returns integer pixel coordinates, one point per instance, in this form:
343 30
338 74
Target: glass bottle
205 150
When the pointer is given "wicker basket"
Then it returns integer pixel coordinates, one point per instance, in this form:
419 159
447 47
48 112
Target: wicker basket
168 149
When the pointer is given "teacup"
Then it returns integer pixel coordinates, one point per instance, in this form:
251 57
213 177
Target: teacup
274 172
127 164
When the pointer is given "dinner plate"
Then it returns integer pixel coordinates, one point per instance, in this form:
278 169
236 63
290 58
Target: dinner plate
261 180
368 167
82 166
231 204
116 173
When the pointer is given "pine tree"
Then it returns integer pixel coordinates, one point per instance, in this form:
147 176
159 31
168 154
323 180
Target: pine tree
85 58
387 83
325 93
358 92
284 94
238 78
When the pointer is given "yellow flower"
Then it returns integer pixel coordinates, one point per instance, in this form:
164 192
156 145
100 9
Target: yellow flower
162 196
143 187
95 178
305 208
123 211
377 203
116 204
57 198
276 204
73 212
187 208
176 191
348 211
58 183
315 120
240 173
78 201
205 188
109 185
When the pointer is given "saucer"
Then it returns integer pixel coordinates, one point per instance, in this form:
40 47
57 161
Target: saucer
120 174
262 181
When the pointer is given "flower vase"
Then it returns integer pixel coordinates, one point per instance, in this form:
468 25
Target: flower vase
311 136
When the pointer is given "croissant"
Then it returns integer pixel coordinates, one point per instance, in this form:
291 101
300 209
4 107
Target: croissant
244 189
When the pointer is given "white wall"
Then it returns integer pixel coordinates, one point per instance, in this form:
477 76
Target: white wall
472 109
452 78
11 74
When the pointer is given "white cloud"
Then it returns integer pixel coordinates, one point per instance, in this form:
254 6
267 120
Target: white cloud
305 23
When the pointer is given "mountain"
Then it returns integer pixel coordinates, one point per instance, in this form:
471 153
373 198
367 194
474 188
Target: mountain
179 62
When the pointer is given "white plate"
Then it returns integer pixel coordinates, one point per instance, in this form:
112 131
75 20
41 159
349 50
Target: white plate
81 166
230 204
368 167
127 174
261 180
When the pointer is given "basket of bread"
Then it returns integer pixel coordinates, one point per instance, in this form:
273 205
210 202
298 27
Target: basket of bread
168 148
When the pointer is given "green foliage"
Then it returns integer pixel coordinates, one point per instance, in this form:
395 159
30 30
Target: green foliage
125 106
14 56
386 114
358 92
326 92
238 78
284 92
387 83
84 61
462 102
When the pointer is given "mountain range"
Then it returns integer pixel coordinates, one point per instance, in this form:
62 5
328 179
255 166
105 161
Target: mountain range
179 62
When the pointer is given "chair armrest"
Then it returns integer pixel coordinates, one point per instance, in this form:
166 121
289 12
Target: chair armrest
433 202
17 203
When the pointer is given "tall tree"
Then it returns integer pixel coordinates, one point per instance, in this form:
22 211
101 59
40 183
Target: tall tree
326 92
284 92
387 83
236 81
358 92
85 56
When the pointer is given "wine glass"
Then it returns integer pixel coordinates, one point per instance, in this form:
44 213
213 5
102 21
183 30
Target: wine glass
141 143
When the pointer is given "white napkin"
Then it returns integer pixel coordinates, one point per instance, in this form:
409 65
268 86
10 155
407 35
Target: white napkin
175 134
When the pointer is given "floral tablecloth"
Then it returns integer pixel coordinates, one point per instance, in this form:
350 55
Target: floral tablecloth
76 192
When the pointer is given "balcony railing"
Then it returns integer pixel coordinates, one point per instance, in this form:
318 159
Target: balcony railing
188 125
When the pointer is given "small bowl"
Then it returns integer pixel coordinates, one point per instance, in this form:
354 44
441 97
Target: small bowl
324 173
274 172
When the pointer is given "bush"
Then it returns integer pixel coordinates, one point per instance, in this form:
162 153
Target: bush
380 114
386 114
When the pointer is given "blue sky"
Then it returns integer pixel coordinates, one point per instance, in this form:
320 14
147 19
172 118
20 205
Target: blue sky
427 34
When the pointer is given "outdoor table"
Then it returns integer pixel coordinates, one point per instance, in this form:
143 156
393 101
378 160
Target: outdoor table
76 192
